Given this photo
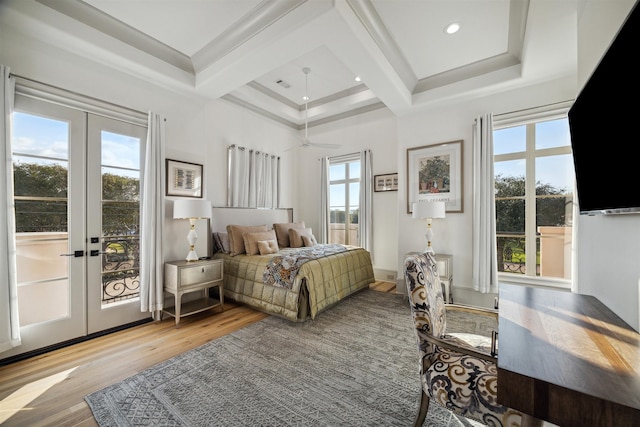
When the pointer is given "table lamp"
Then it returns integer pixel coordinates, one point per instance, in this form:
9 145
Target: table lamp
192 210
428 211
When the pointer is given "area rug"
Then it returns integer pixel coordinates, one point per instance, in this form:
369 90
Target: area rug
355 365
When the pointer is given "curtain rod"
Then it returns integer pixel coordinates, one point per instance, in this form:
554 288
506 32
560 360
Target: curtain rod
532 108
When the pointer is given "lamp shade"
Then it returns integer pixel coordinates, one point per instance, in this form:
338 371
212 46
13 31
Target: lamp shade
191 208
422 210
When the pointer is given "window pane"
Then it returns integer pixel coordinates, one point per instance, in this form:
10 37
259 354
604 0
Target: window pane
354 194
552 133
509 140
510 178
40 177
554 174
117 186
354 170
511 254
39 136
510 216
337 171
120 151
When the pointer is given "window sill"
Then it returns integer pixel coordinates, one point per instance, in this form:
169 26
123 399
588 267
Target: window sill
546 282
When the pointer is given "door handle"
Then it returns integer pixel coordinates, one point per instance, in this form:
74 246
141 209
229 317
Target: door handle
75 254
96 252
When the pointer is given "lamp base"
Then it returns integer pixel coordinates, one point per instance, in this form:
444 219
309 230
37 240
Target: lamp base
192 238
192 256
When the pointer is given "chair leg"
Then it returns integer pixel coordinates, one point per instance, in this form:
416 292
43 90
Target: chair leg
529 421
422 411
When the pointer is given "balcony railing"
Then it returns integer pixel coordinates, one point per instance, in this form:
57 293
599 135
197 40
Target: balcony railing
120 268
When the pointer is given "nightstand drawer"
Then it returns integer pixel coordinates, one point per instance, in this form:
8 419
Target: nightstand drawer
200 274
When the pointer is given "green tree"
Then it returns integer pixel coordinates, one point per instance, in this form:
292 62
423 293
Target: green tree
41 205
510 211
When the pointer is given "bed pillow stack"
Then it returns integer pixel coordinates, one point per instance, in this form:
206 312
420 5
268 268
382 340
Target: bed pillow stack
252 240
297 235
282 232
236 238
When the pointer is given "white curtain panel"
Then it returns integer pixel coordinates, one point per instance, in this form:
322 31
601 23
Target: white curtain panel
254 178
484 256
365 222
238 178
323 236
152 218
9 320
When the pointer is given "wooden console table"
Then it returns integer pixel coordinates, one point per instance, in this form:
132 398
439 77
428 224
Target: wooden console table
567 359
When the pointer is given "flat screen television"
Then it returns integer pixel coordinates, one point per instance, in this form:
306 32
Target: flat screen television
604 124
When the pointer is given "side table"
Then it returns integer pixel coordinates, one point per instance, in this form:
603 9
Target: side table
181 277
445 271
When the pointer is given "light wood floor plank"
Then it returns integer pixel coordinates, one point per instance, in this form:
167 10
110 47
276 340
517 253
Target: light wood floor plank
49 389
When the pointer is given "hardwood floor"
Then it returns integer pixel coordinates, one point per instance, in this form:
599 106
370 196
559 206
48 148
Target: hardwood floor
49 389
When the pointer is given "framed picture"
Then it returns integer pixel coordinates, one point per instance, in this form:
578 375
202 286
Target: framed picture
388 182
434 173
184 179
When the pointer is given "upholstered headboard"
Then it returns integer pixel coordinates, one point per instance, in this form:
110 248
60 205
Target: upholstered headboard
223 216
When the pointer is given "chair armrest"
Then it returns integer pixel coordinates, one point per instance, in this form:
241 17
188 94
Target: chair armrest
449 345
480 311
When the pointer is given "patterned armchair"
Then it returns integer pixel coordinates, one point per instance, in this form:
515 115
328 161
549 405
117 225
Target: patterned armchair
458 370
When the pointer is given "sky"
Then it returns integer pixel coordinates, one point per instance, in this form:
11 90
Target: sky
556 170
48 138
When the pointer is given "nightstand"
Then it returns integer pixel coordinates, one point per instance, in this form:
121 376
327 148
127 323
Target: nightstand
181 277
445 271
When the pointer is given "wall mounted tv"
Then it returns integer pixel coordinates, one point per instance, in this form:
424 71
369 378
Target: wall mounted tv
604 123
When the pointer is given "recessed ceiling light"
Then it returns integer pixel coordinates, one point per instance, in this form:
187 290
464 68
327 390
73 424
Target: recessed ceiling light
452 28
358 79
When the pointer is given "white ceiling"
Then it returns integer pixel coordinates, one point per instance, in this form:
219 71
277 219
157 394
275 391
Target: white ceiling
239 49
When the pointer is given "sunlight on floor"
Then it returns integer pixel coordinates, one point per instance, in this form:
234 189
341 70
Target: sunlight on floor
19 400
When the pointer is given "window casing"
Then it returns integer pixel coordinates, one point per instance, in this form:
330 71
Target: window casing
534 193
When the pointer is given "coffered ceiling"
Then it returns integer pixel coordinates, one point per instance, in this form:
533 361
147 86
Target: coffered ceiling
252 52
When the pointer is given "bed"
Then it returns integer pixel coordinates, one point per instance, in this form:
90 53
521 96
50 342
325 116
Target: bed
286 273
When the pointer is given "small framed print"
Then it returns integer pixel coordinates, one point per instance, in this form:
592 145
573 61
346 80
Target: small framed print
184 179
388 182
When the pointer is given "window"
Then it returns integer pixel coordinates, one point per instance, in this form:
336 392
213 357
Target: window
534 185
344 199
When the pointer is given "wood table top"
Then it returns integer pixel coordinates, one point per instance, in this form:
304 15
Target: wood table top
566 358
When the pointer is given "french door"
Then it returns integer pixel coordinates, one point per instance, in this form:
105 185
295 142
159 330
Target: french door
76 190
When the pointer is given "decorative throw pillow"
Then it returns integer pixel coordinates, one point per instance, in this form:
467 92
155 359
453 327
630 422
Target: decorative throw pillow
251 240
295 236
268 247
221 242
236 241
309 241
282 232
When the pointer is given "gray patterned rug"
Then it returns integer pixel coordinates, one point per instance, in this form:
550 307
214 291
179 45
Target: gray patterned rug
355 365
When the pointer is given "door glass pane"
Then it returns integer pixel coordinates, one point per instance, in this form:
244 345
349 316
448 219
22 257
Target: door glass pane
40 166
120 240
